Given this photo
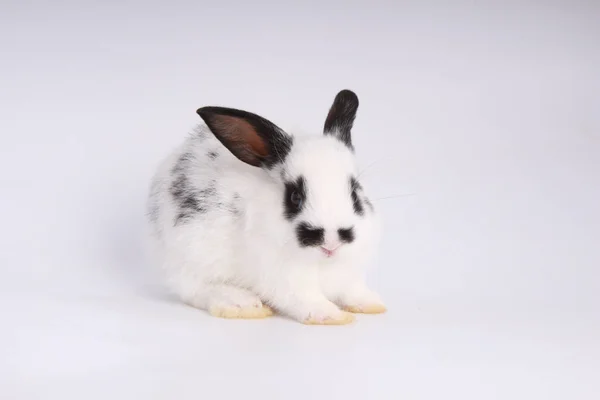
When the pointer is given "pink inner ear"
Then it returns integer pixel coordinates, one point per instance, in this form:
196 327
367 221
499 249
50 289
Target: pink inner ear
241 131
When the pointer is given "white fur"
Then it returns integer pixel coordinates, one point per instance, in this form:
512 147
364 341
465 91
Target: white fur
222 259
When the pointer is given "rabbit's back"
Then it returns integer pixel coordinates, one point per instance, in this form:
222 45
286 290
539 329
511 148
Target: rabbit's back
198 211
199 185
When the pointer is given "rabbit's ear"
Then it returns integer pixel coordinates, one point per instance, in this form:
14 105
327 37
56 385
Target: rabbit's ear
251 138
341 116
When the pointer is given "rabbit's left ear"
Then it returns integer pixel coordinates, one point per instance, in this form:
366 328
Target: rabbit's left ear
341 117
251 138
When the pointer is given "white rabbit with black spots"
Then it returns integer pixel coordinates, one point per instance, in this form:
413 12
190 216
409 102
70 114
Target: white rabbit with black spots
246 218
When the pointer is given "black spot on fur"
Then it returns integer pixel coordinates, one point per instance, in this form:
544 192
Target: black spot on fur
309 235
294 198
186 199
341 117
179 187
346 235
355 184
356 201
208 191
189 200
190 203
212 155
234 206
183 163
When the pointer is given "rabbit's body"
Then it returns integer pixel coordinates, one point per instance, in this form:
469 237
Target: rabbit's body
294 231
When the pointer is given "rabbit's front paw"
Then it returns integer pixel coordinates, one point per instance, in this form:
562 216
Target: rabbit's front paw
366 302
232 302
252 312
366 308
241 312
329 317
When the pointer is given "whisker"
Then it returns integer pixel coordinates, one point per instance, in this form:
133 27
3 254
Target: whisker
395 197
368 167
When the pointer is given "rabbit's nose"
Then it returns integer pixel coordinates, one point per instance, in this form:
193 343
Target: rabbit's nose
329 250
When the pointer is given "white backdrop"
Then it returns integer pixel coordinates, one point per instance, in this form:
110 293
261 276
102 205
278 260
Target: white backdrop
479 128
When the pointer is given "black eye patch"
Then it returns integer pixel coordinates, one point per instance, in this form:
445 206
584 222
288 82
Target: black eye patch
294 198
346 235
309 235
357 204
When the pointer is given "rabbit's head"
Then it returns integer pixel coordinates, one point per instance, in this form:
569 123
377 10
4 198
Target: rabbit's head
321 200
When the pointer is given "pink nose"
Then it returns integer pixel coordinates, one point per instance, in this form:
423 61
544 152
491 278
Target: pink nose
328 252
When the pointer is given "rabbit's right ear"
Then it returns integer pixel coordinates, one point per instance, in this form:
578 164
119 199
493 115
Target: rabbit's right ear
341 116
251 138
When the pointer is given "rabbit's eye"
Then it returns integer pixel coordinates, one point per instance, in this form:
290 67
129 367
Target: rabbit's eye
296 198
293 198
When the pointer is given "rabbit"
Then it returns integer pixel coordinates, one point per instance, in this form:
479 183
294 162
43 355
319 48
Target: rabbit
246 218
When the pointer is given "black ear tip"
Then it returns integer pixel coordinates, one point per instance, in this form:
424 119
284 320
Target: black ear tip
203 111
347 97
208 113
